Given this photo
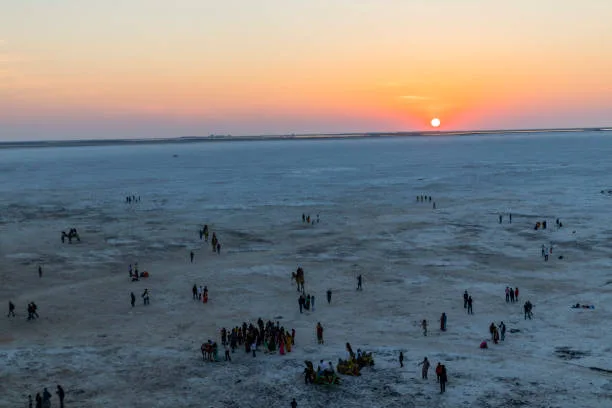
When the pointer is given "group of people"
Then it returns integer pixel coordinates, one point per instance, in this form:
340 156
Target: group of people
132 199
200 293
443 319
441 375
32 310
269 335
145 297
306 219
135 275
424 198
467 302
501 218
497 333
528 310
44 400
512 294
214 241
306 302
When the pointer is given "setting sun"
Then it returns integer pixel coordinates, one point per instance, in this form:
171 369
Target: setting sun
435 122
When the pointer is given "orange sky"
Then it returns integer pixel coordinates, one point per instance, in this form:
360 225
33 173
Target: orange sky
153 68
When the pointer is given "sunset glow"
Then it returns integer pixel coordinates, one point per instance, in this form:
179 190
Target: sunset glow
435 122
152 68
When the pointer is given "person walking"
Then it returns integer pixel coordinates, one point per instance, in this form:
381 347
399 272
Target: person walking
191 255
145 296
401 359
312 299
443 379
470 302
319 333
133 298
465 299
11 311
293 404
425 369
443 322
60 394
46 398
329 294
228 357
39 271
359 283
424 327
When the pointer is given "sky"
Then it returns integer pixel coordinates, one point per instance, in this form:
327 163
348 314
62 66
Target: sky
74 69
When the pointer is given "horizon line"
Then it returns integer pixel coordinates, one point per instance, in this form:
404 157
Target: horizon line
288 136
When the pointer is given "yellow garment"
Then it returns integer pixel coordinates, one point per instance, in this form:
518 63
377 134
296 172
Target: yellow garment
288 343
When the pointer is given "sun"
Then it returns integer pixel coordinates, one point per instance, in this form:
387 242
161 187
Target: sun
435 122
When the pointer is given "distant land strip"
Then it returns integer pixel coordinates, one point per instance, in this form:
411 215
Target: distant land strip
254 138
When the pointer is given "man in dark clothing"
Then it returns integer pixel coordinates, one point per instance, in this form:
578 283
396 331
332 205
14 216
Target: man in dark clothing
46 398
359 283
34 308
465 299
293 404
38 400
191 255
301 301
401 359
133 298
194 291
39 271
60 393
443 379
145 296
470 310
329 293
11 309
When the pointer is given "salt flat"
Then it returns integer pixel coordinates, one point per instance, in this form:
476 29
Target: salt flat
415 261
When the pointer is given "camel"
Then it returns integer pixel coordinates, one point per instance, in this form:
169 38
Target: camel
72 234
298 276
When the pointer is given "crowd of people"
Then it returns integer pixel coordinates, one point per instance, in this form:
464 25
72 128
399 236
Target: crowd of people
268 337
43 400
